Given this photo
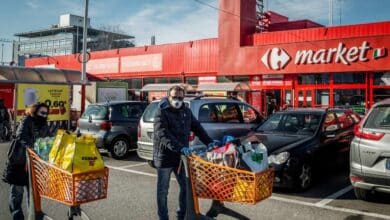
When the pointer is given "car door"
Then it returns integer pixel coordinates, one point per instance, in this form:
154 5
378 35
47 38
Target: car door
251 117
329 135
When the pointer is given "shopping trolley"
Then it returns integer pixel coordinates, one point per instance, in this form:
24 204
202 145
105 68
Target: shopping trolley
223 184
48 181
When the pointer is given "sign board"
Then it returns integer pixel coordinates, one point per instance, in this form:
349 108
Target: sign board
55 96
111 91
207 79
7 95
101 66
141 63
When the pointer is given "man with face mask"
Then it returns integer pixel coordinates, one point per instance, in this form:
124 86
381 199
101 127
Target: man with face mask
172 126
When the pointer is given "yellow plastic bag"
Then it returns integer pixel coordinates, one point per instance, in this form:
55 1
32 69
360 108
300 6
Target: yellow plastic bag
61 141
82 156
243 190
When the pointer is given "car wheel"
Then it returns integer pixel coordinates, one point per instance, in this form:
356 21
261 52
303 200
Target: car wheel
305 177
119 148
362 194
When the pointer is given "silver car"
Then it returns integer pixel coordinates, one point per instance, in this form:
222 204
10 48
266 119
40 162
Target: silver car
218 116
370 152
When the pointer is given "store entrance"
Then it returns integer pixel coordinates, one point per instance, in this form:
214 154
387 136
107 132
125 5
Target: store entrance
272 101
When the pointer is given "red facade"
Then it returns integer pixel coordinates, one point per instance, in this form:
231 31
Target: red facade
239 51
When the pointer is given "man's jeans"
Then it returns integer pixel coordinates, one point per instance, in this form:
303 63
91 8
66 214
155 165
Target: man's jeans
163 179
15 201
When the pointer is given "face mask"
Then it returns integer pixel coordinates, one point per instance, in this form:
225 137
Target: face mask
176 103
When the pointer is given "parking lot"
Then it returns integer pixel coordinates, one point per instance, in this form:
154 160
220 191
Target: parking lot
132 192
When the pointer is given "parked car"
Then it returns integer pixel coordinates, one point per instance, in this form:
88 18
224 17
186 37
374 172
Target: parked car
370 152
114 125
300 140
218 116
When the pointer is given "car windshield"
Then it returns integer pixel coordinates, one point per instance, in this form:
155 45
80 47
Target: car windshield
294 123
96 112
379 118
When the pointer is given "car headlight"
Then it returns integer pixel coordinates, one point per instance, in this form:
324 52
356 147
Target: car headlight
279 158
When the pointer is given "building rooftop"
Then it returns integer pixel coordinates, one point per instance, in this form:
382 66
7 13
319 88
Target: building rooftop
71 29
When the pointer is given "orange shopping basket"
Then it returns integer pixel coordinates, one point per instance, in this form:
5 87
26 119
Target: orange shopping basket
221 183
51 182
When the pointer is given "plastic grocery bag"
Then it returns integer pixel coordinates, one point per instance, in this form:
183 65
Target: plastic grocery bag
82 156
61 141
256 158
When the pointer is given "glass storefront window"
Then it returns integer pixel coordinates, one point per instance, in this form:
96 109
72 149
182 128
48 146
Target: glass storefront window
161 80
313 79
354 98
241 79
382 79
222 79
148 81
322 97
134 83
300 98
192 80
381 94
308 99
349 78
174 80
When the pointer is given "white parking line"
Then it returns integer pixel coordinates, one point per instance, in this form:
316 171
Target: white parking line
351 211
321 204
334 196
133 165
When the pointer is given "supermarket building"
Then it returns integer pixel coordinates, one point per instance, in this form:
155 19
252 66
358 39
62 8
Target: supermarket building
300 62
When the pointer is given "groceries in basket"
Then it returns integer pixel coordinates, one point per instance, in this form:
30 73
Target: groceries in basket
251 155
42 147
75 154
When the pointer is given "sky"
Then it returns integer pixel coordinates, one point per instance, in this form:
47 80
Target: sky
171 20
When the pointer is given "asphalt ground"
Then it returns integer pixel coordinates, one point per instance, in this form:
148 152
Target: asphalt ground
132 195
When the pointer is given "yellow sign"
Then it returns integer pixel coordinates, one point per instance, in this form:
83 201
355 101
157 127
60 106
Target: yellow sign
55 96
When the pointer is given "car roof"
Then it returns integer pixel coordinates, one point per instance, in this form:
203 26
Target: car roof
383 102
116 103
306 110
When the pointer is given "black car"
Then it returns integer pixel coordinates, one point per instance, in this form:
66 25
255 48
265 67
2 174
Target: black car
299 140
114 125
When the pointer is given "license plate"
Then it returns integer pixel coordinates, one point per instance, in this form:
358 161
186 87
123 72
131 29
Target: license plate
388 164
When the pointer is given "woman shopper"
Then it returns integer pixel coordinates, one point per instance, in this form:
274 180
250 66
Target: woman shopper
32 126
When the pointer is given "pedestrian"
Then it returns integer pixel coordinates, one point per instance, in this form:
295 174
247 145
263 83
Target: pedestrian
271 107
172 127
32 126
4 122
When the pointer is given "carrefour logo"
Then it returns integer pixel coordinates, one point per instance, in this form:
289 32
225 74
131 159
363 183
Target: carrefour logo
275 58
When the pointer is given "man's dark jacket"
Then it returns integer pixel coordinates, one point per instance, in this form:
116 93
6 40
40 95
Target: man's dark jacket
172 129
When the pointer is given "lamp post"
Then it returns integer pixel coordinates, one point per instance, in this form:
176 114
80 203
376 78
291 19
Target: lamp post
2 53
84 79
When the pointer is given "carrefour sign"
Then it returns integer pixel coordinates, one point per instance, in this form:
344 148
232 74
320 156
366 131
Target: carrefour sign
344 55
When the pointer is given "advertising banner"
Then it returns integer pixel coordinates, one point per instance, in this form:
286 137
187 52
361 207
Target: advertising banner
55 96
111 91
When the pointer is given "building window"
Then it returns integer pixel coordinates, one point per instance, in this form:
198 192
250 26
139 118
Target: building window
62 43
354 98
349 78
38 45
192 80
148 81
223 79
381 94
69 51
50 44
382 79
322 97
162 80
313 79
68 42
44 44
174 80
21 47
56 43
241 79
